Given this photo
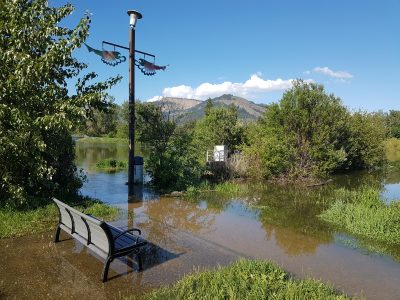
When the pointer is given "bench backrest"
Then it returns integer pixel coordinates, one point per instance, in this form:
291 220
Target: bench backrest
89 228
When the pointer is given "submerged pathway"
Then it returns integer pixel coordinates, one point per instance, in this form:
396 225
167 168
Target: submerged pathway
185 237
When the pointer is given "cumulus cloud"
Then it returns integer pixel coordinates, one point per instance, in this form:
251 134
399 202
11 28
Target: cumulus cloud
253 86
331 73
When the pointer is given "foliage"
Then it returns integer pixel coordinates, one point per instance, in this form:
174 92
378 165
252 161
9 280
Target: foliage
393 123
111 165
392 149
230 188
192 192
101 122
37 219
311 134
102 211
37 109
364 214
365 143
219 126
172 163
245 279
123 120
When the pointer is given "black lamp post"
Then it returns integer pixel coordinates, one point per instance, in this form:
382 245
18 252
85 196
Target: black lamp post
134 16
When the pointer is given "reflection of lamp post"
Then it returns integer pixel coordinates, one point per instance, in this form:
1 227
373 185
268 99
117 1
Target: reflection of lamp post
134 16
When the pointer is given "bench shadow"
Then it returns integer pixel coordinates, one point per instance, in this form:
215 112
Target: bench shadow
152 255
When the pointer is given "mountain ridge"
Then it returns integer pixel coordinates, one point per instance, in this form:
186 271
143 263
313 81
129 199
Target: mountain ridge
185 109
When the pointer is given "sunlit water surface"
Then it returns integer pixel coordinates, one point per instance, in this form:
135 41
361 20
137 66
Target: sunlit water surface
265 221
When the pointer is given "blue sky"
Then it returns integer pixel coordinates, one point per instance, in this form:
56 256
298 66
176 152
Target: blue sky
254 48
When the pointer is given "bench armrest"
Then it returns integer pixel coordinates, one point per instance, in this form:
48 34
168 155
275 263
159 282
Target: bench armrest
125 231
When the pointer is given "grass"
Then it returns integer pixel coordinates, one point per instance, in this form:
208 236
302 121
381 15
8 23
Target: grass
111 165
392 149
226 188
16 223
230 188
364 214
245 279
104 140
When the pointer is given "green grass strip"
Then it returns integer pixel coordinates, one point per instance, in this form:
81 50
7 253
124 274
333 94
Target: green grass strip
363 213
245 279
111 165
16 223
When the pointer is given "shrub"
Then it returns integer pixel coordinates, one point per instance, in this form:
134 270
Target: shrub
310 134
111 165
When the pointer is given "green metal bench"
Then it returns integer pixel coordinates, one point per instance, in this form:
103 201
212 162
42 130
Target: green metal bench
105 240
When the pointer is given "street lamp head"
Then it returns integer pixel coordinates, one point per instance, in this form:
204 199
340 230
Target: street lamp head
134 17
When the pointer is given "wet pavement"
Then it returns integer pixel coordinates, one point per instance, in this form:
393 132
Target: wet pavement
36 268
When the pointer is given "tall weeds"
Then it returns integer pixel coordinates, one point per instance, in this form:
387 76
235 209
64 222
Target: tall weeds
246 279
364 214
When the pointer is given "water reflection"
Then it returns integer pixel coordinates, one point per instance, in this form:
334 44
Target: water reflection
175 213
263 214
88 154
287 215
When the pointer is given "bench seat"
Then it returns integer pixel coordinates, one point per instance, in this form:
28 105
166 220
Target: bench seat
105 240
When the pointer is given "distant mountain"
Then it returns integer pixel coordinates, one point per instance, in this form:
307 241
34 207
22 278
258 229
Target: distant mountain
177 103
185 110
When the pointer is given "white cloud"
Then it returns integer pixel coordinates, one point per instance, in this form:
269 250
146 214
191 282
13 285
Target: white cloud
155 98
252 86
256 83
331 73
178 91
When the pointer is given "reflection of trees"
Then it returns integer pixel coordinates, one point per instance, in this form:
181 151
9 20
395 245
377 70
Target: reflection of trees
215 202
175 213
291 215
295 243
296 231
89 153
358 179
392 174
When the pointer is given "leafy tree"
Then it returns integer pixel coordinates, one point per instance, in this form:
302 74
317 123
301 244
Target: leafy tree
209 107
37 109
219 126
101 122
172 162
365 146
393 123
310 134
123 120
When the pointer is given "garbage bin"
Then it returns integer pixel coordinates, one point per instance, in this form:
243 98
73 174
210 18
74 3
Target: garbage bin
138 169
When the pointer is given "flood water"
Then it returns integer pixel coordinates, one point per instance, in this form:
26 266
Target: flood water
266 221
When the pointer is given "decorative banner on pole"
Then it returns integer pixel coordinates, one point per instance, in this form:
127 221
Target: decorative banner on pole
113 58
148 68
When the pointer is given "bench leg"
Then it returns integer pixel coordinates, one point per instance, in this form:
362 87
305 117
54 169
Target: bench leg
105 269
139 259
57 235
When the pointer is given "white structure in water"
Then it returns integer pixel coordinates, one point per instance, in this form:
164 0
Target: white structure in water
220 153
